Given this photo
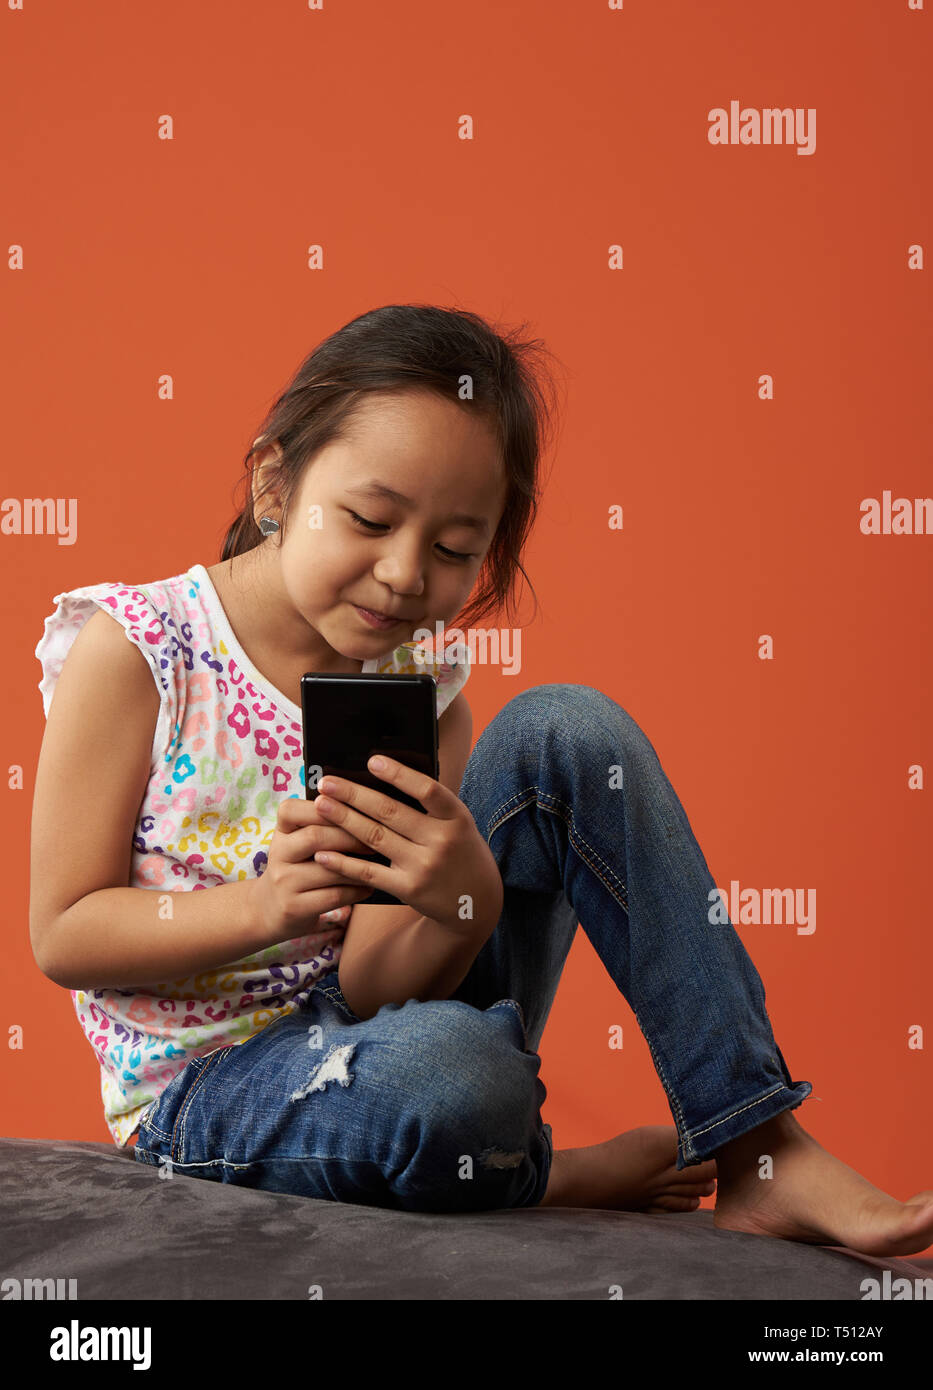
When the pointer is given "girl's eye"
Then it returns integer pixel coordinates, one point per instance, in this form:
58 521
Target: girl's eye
381 526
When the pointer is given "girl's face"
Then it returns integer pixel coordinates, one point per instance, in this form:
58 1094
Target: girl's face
347 546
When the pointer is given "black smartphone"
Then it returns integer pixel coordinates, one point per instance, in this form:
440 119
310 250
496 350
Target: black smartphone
348 716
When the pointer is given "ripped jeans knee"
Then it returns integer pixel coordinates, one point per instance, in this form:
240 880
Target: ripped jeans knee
428 1106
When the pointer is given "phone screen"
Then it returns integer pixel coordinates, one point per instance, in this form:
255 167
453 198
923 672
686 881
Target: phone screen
349 716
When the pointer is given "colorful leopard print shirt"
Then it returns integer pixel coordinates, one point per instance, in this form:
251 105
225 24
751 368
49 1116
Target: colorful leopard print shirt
227 749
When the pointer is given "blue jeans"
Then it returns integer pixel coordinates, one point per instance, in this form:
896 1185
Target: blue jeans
435 1106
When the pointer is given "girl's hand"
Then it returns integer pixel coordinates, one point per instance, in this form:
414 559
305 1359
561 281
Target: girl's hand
440 863
293 892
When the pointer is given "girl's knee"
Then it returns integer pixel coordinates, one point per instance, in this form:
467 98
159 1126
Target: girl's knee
481 1143
572 715
471 1064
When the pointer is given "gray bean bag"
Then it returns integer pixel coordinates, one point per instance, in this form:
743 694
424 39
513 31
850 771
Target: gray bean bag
92 1213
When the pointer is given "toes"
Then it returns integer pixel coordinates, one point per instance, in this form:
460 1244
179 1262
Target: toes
684 1184
668 1203
695 1174
703 1189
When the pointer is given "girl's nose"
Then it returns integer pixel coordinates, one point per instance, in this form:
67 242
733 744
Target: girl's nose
403 577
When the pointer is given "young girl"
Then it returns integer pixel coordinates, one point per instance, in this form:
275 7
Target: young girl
391 1059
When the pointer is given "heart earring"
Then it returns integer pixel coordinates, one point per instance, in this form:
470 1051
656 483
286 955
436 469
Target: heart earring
267 526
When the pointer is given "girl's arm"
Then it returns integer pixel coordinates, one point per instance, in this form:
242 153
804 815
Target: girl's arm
116 938
391 954
411 958
87 928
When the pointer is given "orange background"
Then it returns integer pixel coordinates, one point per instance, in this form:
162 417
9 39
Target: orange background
338 127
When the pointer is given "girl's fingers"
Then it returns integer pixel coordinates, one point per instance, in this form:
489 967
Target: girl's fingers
321 836
347 866
362 874
392 843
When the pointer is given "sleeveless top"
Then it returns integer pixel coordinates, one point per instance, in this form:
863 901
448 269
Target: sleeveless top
227 749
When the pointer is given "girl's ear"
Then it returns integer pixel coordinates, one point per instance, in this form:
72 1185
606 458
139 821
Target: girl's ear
263 452
266 465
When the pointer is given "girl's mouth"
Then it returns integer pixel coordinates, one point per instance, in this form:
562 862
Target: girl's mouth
375 619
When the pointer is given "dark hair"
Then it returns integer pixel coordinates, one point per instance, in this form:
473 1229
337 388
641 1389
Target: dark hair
404 346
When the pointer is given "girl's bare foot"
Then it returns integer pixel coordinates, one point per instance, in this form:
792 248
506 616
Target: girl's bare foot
635 1171
812 1196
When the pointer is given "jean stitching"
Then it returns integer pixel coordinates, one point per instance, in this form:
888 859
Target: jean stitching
196 1063
154 1129
181 1117
592 858
741 1110
592 851
163 1134
517 1008
505 803
272 1158
669 1091
340 1003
